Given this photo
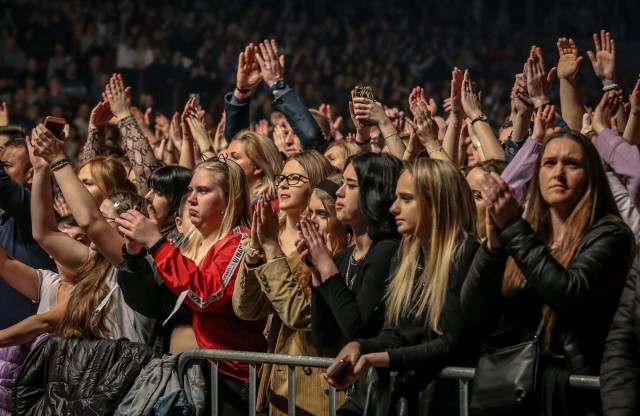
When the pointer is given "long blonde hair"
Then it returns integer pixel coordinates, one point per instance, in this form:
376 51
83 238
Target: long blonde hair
447 209
263 152
80 319
233 182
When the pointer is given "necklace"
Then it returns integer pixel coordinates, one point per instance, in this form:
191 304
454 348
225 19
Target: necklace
349 280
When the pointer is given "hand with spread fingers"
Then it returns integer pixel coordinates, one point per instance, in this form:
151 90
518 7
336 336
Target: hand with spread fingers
570 59
100 115
318 249
271 64
248 74
603 59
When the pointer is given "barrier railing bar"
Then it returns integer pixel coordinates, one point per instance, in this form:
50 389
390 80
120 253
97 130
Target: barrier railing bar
292 389
214 386
463 374
252 389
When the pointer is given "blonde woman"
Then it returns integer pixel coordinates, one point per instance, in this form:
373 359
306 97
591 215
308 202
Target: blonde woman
259 159
425 327
220 212
338 152
280 285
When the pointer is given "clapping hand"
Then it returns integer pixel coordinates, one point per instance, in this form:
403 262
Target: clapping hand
248 74
118 97
605 110
502 206
538 80
315 249
138 228
543 123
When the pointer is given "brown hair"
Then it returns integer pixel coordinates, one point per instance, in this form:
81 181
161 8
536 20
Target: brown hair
263 152
595 203
110 174
80 318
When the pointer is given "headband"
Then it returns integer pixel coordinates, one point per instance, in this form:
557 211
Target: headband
329 187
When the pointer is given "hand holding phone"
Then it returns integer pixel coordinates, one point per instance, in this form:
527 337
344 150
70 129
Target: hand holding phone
55 125
339 370
367 92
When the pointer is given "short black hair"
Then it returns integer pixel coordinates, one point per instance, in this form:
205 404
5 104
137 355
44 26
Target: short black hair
378 175
68 220
22 144
173 183
14 132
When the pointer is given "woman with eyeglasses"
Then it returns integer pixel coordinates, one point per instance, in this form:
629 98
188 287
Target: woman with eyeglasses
278 283
219 210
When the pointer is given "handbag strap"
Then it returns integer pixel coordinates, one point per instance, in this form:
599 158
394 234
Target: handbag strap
539 330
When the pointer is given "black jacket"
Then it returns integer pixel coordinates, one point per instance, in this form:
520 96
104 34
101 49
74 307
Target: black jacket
584 295
78 377
620 370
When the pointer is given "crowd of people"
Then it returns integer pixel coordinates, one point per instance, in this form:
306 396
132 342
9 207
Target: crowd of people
212 189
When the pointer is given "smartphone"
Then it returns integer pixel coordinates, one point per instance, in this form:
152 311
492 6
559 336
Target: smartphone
339 369
55 125
197 97
367 92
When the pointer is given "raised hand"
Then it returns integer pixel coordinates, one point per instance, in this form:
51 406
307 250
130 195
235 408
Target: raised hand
606 109
248 74
37 162
604 58
175 130
60 205
519 96
267 228
138 228
262 127
280 138
424 125
100 115
335 124
455 99
634 99
469 98
219 141
271 64
46 145
118 97
4 114
414 146
543 123
538 79
570 59
369 111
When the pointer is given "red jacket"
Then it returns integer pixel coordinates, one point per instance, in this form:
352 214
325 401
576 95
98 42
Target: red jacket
207 289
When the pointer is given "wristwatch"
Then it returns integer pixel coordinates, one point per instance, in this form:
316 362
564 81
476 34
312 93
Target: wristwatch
278 85
481 117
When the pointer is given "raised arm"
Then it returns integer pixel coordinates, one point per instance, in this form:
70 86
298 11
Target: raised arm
568 67
603 61
471 104
632 129
100 116
272 66
139 151
67 251
456 117
372 112
82 205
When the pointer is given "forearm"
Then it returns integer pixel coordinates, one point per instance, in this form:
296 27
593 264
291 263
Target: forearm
83 206
491 147
632 130
139 151
94 145
187 155
571 104
392 139
623 157
43 220
29 328
450 142
520 170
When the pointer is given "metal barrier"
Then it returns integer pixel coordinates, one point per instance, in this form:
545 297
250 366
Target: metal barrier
463 374
253 358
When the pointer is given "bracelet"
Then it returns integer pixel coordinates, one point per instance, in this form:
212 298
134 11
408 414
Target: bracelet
59 164
391 135
611 87
243 91
363 143
435 150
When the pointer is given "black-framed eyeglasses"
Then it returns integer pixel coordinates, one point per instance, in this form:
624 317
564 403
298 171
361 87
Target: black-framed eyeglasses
292 179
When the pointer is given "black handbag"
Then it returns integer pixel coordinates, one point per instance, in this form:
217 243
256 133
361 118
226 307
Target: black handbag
505 379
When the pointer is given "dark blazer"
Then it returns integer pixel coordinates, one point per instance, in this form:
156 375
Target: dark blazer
620 370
